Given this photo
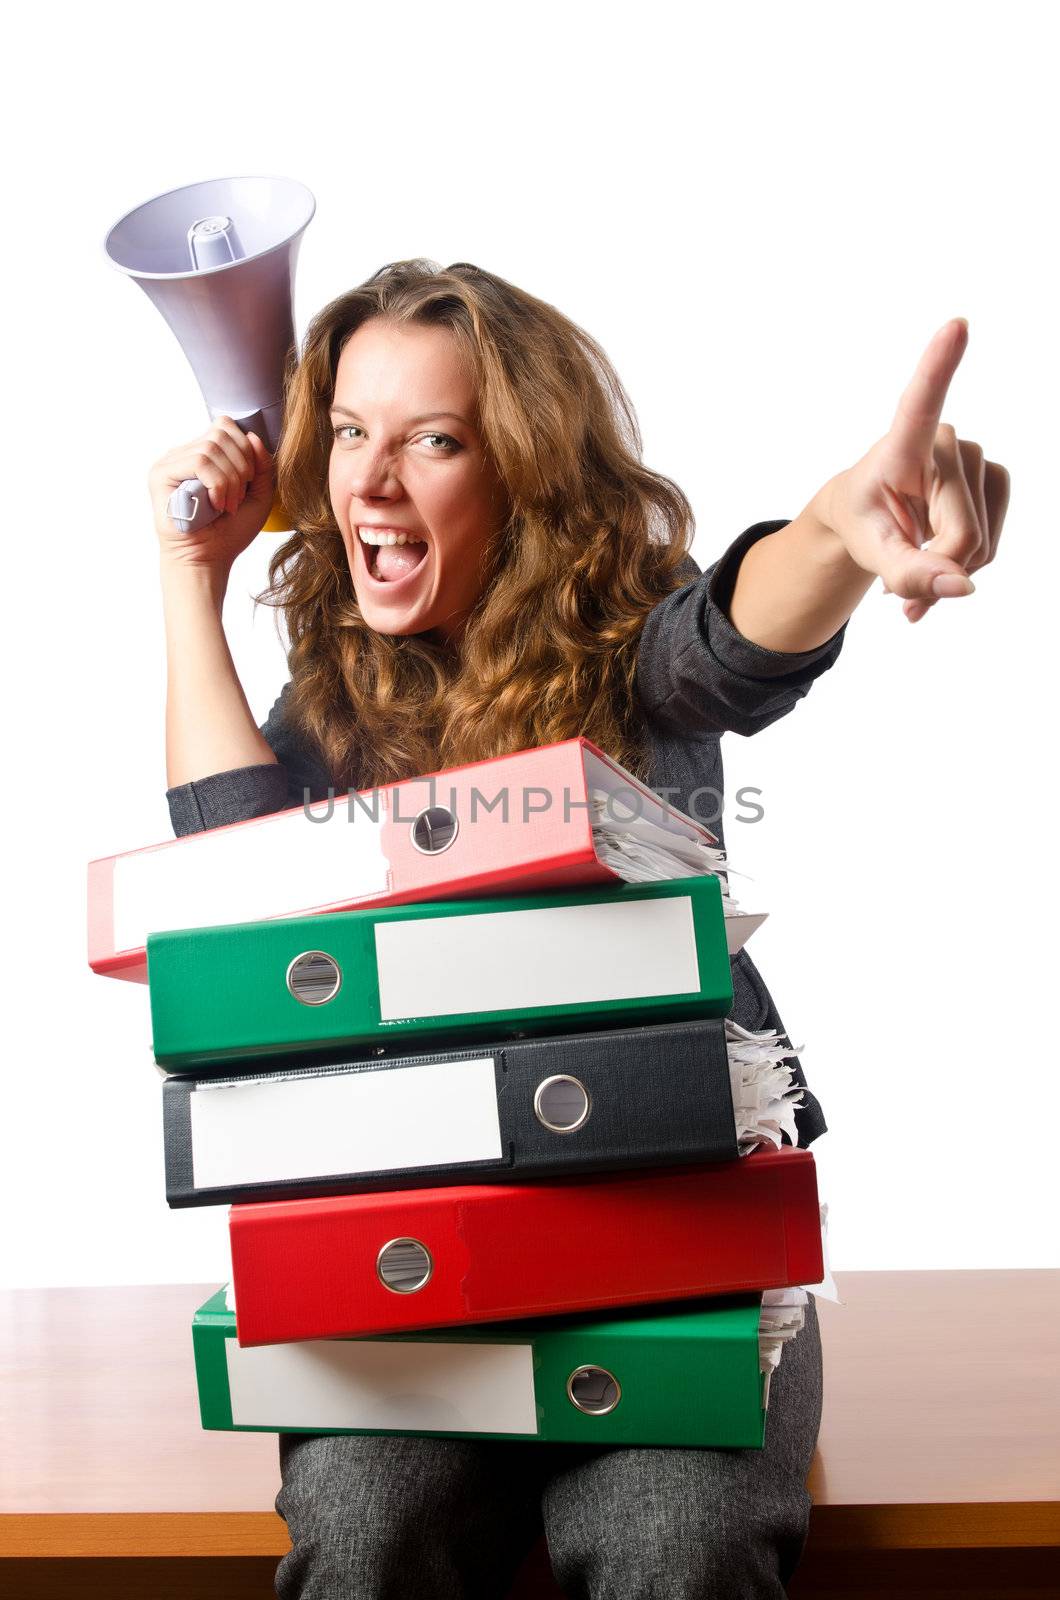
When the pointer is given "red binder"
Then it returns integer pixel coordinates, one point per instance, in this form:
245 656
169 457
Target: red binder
519 822
429 1258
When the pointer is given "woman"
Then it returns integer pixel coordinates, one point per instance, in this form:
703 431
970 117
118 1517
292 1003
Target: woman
483 564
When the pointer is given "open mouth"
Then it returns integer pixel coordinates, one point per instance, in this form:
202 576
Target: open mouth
391 557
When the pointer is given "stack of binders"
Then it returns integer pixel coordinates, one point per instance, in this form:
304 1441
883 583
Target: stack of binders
458 1055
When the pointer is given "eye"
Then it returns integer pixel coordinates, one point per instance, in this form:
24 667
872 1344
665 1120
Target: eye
447 446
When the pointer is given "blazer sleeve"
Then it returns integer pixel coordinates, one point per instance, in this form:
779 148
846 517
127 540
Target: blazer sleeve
254 791
697 674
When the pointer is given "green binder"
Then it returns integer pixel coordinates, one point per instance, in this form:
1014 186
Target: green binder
689 1377
447 970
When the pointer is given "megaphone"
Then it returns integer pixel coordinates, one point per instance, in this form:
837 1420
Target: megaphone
218 260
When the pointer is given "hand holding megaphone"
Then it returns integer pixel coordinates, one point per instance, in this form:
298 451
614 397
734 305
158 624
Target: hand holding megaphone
235 476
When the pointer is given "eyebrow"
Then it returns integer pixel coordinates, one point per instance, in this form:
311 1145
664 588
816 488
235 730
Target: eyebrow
428 416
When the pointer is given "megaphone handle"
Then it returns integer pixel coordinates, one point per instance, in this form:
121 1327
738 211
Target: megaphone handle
190 508
189 505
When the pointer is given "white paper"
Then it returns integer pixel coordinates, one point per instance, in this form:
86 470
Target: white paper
547 956
641 850
626 796
739 926
250 873
372 1384
764 1093
826 1289
783 1315
263 1130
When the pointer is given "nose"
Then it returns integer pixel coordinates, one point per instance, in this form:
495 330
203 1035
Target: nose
373 475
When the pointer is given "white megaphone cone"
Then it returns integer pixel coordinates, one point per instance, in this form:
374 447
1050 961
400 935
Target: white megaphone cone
218 260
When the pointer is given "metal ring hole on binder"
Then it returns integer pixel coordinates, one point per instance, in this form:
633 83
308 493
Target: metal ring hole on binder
562 1104
434 830
404 1265
593 1390
314 977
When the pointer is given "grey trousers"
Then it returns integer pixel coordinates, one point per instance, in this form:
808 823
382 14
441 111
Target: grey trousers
387 1518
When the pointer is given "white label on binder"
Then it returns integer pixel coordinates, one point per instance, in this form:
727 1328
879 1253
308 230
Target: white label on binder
250 873
372 1121
555 955
372 1384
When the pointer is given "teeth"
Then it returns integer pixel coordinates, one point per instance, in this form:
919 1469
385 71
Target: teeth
381 536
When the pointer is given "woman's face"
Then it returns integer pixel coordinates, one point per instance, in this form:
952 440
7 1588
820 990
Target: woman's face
407 459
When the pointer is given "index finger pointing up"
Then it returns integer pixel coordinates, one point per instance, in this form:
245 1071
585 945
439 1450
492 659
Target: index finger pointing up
919 412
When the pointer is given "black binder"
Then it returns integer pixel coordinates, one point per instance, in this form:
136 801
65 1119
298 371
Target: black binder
542 1107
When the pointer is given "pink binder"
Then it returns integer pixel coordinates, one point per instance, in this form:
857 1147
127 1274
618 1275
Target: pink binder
518 822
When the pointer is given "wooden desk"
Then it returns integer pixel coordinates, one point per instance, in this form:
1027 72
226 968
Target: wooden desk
938 1461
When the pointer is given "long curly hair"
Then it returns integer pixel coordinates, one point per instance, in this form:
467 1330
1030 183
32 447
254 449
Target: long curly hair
593 541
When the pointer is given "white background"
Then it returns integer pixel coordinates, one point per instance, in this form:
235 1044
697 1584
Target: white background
763 213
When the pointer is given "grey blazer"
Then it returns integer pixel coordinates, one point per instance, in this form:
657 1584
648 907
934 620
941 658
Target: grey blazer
697 678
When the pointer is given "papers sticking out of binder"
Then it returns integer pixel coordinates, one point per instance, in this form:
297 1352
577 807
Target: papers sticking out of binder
783 1316
642 851
764 1095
